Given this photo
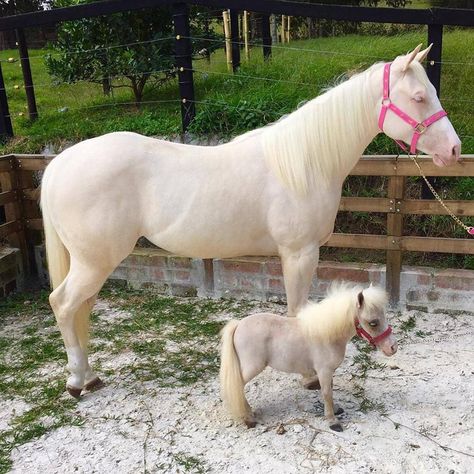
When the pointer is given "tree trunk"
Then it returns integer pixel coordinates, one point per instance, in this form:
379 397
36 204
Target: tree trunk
106 86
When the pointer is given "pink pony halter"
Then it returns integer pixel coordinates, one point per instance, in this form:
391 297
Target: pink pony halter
418 127
372 340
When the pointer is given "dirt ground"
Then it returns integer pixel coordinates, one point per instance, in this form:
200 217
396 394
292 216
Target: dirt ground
412 413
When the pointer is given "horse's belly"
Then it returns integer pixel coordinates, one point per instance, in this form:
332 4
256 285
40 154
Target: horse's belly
223 244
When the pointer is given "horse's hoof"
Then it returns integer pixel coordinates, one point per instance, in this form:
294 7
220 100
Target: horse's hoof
93 385
339 411
336 427
74 392
250 423
313 385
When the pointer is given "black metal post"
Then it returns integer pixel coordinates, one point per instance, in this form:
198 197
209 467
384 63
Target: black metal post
6 129
27 78
433 68
234 37
266 37
184 63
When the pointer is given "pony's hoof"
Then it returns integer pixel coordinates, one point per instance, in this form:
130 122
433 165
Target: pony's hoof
339 411
93 385
336 427
250 423
74 392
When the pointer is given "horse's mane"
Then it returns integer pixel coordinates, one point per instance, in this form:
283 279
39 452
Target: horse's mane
333 317
310 142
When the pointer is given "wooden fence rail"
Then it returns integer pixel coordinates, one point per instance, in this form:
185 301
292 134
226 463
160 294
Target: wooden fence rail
18 198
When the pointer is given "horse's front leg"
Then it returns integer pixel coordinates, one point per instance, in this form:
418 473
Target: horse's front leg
298 269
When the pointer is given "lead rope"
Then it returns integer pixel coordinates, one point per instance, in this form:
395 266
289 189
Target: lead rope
469 230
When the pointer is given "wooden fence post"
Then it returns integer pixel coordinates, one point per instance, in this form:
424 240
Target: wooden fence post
266 37
227 36
26 70
235 39
13 212
246 34
396 193
184 62
6 129
433 66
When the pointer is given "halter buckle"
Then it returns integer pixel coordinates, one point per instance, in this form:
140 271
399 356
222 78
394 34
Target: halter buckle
420 128
386 101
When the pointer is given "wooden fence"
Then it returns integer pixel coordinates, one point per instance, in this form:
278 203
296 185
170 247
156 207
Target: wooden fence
23 224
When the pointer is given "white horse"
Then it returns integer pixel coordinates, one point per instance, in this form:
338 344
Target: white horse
312 343
275 190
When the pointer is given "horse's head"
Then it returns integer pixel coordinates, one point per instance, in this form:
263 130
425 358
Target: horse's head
409 110
371 322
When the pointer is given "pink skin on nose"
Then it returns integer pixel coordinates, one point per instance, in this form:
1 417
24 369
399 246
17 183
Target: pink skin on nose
388 346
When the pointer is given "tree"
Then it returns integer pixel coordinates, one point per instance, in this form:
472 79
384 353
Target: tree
135 45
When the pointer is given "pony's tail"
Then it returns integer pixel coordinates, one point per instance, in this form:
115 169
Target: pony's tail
58 260
232 384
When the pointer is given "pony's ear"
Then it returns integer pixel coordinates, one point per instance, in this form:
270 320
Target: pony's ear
421 56
408 59
360 300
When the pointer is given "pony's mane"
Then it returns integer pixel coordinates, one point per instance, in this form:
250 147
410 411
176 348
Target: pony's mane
310 142
333 317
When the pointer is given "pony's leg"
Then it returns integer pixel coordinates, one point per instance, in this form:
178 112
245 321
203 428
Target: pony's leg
249 372
73 294
298 269
325 378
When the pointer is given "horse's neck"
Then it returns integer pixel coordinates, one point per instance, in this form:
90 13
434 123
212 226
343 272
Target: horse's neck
321 142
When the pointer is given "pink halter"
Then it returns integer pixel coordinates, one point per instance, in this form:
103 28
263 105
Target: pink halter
372 340
418 127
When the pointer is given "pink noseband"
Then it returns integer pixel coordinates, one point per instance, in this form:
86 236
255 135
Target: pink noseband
418 127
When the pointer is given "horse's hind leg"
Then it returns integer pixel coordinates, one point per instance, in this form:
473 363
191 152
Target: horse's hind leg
71 303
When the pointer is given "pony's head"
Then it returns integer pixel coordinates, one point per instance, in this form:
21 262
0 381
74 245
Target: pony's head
413 94
371 317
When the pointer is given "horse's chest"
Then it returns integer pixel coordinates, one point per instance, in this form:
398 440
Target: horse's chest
304 220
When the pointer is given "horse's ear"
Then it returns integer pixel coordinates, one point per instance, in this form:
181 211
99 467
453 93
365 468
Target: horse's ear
421 56
408 59
360 300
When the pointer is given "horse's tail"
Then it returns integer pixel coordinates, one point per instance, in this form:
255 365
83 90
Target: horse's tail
232 384
58 260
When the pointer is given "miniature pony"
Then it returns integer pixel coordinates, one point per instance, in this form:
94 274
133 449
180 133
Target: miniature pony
312 344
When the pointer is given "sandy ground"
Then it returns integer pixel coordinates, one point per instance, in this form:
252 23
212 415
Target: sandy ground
426 423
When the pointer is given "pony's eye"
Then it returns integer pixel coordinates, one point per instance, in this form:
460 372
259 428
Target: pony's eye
418 98
373 323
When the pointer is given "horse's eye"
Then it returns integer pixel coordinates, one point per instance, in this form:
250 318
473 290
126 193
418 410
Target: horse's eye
418 98
373 323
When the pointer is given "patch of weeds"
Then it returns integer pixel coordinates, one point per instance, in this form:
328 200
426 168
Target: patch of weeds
190 463
420 333
365 403
408 325
363 363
